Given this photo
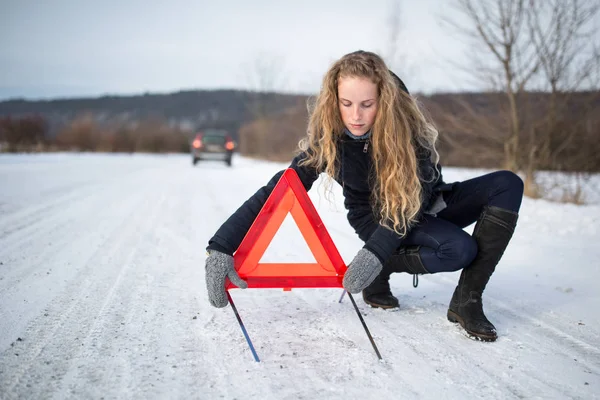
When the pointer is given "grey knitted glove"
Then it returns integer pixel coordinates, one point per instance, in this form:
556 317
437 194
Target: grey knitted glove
219 266
362 271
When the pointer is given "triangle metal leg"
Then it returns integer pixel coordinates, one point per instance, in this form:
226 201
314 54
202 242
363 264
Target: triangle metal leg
364 325
243 328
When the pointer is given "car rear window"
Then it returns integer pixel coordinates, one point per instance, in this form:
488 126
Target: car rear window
214 139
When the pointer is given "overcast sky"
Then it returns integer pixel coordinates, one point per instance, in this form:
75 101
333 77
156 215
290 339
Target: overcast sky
66 48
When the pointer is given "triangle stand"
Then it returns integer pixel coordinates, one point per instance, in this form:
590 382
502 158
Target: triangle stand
289 196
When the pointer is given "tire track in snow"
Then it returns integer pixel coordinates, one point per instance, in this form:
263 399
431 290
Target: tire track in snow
30 215
215 335
65 221
579 348
25 226
207 338
50 338
503 349
118 308
443 347
58 231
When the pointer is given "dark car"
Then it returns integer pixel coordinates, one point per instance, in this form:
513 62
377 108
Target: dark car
212 144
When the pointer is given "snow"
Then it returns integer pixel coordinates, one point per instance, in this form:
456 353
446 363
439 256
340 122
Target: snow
102 295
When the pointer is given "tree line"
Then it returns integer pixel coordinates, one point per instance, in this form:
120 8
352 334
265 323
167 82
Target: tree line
85 133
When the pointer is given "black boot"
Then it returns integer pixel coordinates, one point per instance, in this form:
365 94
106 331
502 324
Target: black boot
378 293
492 233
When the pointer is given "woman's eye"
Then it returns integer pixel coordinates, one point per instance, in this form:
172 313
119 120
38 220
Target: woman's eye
367 105
346 105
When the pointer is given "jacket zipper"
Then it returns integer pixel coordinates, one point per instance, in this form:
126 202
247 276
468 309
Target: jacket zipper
365 149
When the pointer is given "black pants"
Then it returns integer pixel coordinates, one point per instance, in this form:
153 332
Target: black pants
445 246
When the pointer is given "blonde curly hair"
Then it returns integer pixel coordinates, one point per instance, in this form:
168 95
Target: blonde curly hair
399 127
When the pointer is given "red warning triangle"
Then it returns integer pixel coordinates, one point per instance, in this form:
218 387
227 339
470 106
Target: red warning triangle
289 196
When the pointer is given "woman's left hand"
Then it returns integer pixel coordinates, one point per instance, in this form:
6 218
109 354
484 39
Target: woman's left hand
363 269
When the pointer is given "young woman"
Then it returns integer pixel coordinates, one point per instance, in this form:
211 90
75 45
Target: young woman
368 134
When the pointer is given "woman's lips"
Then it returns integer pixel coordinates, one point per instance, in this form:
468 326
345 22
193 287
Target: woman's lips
357 126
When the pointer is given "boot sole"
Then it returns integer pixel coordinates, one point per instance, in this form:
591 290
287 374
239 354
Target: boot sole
375 305
454 317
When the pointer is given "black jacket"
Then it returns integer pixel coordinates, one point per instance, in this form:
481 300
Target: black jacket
354 172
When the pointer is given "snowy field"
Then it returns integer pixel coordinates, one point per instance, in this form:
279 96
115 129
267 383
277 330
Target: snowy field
102 295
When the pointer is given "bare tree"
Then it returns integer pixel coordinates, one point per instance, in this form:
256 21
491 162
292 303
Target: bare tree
563 38
266 74
397 59
29 132
507 60
394 30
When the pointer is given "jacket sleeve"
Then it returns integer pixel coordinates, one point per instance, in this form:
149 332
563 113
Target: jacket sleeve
384 241
230 235
430 176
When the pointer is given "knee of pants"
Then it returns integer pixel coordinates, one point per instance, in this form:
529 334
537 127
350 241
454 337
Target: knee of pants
508 180
506 190
459 253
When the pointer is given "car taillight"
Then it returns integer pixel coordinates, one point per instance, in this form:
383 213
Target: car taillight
229 145
197 143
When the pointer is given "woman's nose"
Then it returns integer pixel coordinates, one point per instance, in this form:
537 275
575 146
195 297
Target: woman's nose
356 113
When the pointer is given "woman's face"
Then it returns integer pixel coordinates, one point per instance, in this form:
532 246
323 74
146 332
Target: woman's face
358 104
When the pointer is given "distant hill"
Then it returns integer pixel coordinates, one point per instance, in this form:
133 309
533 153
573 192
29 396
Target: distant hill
226 109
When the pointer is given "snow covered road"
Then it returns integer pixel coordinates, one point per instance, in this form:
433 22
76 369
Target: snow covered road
102 295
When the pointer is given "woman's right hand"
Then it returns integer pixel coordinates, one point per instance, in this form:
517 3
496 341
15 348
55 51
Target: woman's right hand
218 267
363 270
